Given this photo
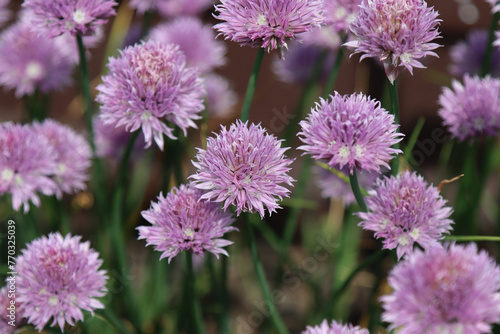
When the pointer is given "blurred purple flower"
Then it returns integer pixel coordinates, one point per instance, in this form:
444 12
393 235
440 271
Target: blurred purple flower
5 13
351 131
221 98
142 6
446 290
471 109
196 40
340 13
298 63
177 8
243 166
404 210
268 24
467 56
28 61
183 221
73 156
334 328
335 188
58 277
27 163
9 325
147 85
110 141
76 17
396 32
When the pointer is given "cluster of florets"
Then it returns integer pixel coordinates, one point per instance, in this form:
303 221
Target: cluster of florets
47 158
334 328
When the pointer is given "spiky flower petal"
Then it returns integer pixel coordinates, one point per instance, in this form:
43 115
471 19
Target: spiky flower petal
396 32
196 40
243 166
334 328
73 156
405 210
267 23
471 109
58 277
27 164
352 131
147 85
76 17
448 290
182 221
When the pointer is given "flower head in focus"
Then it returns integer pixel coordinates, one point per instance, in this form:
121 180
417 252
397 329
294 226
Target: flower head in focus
182 221
351 131
196 40
243 166
467 56
471 109
405 210
27 61
27 164
268 24
76 17
73 156
446 290
334 328
396 32
147 85
334 187
58 277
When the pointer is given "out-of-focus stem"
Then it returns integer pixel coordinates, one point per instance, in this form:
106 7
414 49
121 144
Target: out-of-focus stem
252 83
353 178
393 93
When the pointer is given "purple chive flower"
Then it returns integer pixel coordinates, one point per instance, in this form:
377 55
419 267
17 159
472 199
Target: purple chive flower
334 328
177 8
351 131
110 141
5 13
467 56
471 109
73 156
340 13
147 85
27 61
221 98
335 188
182 221
243 166
267 23
58 277
27 163
405 210
298 63
10 316
396 32
447 290
196 40
76 17
142 6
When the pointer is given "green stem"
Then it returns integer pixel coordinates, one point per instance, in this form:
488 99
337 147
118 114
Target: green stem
413 139
341 288
332 78
36 105
489 47
463 207
467 238
353 178
224 318
108 316
146 24
266 293
117 235
87 100
62 212
177 158
252 83
194 309
393 93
